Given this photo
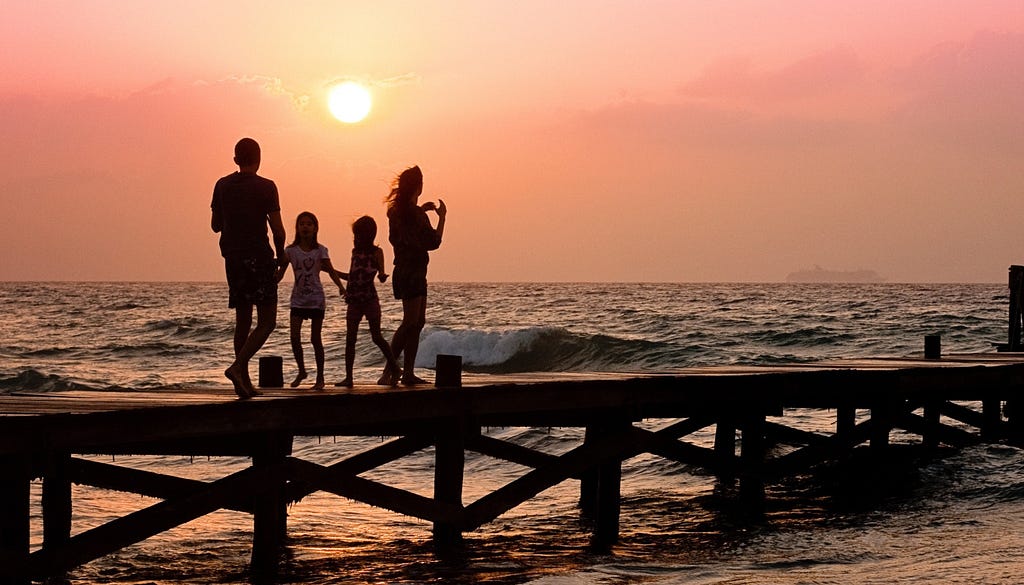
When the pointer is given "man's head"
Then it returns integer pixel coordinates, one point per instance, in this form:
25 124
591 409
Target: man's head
247 153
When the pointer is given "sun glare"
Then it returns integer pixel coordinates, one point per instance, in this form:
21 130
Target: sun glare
349 102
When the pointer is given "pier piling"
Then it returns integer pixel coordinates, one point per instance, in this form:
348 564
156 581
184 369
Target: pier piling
15 482
449 469
270 508
57 502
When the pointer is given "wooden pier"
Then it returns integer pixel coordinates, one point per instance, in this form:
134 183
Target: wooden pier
953 400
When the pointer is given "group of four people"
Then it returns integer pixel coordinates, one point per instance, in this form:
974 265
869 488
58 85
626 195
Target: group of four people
244 206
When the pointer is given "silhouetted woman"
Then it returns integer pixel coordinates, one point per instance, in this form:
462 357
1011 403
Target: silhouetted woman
412 237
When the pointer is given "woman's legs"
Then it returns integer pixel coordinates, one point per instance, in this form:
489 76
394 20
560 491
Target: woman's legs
391 368
407 337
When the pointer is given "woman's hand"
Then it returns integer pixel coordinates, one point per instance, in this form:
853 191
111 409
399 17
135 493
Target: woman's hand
442 210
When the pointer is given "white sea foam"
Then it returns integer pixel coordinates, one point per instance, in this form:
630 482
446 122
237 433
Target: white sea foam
478 348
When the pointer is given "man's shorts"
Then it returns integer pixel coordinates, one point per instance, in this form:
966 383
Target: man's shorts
409 282
251 281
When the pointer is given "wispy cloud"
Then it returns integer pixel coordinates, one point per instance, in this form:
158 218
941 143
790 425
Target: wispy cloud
272 85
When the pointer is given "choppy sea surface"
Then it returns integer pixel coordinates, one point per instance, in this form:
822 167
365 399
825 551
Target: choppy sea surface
950 519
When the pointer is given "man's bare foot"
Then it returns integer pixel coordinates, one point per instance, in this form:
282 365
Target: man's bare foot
346 383
242 389
319 384
412 380
298 379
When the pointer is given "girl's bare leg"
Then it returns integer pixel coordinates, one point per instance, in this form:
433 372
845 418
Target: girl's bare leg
352 331
296 339
392 371
315 328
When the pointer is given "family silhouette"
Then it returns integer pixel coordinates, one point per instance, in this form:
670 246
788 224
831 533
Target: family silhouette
245 205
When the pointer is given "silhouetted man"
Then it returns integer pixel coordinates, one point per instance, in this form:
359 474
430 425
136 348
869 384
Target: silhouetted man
244 204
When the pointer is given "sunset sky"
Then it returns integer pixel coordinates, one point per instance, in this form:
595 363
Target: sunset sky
595 140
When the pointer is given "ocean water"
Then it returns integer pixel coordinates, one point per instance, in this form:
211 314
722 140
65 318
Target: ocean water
949 519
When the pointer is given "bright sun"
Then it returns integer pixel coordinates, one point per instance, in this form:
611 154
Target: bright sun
349 102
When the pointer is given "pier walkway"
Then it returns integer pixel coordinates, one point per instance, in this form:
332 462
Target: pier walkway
953 401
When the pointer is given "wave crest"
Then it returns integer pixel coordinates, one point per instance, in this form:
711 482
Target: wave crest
537 349
38 382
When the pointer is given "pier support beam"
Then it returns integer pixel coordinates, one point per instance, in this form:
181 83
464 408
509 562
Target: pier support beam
881 424
932 414
449 469
589 479
609 484
15 482
57 502
846 420
725 442
991 412
270 509
752 451
600 488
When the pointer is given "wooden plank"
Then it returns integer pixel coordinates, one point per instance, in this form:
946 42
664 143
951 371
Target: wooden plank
510 452
145 483
373 493
365 461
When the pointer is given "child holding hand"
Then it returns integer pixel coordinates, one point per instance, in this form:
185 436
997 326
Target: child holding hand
361 297
308 258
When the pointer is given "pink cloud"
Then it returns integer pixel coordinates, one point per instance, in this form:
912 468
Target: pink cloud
817 76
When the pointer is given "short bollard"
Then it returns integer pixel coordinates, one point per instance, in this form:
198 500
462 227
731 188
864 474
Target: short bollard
932 347
271 374
448 371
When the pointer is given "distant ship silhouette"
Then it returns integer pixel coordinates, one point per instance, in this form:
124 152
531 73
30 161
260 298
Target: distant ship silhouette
819 274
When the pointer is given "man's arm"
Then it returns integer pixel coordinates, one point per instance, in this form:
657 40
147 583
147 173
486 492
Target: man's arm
277 229
216 219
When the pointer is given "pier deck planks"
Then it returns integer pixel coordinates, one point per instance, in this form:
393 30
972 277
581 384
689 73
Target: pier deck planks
38 429
30 403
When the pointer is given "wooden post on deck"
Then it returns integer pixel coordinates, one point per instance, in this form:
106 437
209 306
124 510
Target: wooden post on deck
1016 308
15 481
270 508
57 502
449 469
